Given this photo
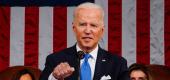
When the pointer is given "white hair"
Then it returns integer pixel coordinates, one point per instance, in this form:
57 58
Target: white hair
89 5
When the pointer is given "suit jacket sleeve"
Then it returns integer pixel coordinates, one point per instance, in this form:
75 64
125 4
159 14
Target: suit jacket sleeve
49 65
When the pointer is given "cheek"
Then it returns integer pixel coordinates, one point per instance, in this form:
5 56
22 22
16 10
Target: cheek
77 30
78 34
99 34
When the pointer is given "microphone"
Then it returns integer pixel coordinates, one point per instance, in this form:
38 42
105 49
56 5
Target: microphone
80 56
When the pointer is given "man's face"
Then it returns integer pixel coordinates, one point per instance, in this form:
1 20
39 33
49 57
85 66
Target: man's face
138 75
88 27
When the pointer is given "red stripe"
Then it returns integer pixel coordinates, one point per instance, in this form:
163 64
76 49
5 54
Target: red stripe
60 28
31 36
4 37
143 31
115 26
167 32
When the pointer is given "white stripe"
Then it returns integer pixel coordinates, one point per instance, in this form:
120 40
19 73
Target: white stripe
17 29
70 35
104 41
157 32
129 30
45 34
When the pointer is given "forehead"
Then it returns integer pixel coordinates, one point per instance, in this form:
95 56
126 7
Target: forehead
138 73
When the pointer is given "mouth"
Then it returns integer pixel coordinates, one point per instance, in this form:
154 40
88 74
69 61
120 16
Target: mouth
87 38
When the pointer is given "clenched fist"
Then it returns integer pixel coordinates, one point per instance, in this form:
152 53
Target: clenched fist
62 71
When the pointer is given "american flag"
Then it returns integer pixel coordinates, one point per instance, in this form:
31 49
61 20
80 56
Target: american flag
138 30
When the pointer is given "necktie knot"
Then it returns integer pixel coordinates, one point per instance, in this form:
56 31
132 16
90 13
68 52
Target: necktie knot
86 56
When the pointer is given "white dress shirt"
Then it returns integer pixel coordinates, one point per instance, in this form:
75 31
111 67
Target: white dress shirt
91 60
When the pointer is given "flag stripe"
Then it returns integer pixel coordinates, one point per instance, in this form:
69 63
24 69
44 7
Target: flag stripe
157 32
115 26
45 34
167 32
143 31
70 34
129 30
17 36
60 28
31 36
4 37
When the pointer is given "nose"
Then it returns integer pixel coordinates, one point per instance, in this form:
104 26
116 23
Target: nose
88 29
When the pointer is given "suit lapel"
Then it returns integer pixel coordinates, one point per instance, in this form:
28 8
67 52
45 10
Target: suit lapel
100 63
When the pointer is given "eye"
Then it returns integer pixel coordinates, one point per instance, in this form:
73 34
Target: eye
82 24
132 78
142 78
94 25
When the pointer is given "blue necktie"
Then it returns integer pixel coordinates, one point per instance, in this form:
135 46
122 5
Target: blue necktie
85 73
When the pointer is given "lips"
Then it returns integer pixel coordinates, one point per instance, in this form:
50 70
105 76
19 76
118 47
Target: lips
87 38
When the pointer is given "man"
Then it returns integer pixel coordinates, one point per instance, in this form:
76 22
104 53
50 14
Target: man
88 26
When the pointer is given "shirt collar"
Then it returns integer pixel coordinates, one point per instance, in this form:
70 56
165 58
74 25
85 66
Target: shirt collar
92 53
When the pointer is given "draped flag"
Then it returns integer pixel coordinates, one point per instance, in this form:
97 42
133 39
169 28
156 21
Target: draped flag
138 30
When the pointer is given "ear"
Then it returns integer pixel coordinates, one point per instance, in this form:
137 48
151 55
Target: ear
73 27
103 29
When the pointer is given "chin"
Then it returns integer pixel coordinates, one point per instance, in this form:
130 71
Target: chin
86 45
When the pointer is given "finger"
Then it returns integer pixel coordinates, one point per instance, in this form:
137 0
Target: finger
63 70
58 71
66 63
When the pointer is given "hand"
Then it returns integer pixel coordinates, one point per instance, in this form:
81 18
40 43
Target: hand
62 71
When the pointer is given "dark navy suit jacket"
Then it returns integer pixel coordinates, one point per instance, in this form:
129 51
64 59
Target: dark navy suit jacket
106 64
